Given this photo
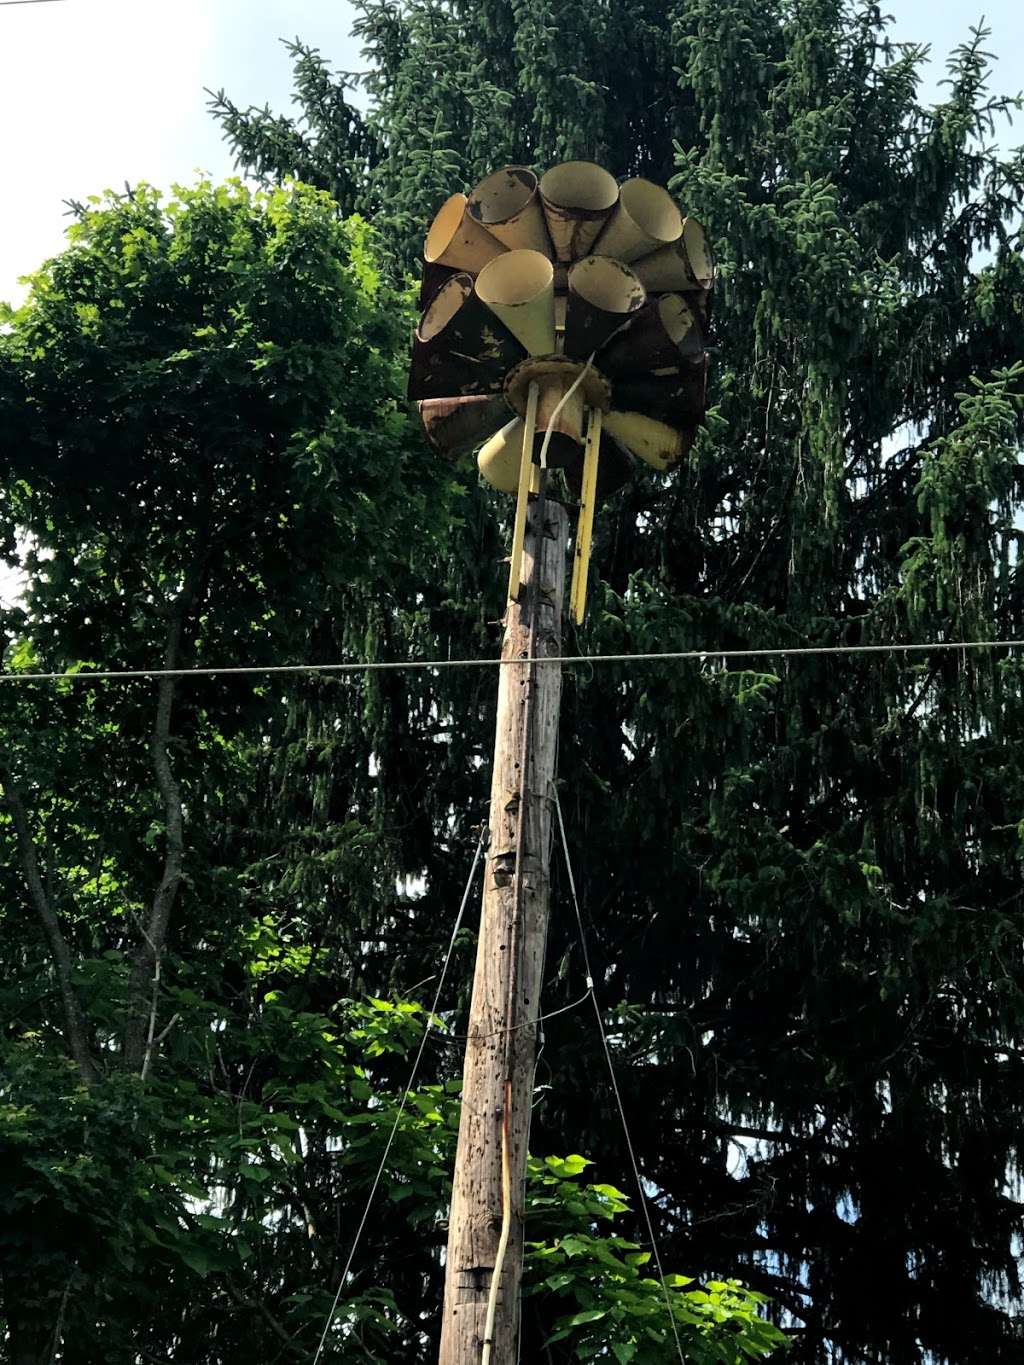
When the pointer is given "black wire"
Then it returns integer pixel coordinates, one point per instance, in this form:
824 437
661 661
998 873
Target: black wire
563 660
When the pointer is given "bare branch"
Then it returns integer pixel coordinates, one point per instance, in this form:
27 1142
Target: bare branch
288 1339
145 977
75 1027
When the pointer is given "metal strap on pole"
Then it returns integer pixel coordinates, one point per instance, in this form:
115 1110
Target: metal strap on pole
585 528
525 477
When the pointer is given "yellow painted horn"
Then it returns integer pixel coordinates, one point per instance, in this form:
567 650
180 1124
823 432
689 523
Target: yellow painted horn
578 198
645 219
499 458
518 287
455 238
687 264
507 204
498 461
658 444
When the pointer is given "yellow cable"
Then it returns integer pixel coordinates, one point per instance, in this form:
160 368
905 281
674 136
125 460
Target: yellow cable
506 1229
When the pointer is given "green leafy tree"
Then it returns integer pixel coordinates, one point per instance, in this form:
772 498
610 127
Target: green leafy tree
206 464
621 1311
805 886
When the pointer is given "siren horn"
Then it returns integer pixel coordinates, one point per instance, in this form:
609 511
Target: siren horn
686 264
654 442
645 219
507 204
578 198
455 426
455 238
518 287
656 337
602 294
460 348
679 393
500 459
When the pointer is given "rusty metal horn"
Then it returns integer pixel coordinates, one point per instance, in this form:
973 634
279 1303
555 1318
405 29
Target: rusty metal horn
460 347
656 337
455 426
507 204
431 280
602 294
678 395
578 199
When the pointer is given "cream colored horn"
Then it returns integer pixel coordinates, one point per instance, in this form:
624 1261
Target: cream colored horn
687 264
499 459
455 238
645 219
578 198
655 442
518 288
507 204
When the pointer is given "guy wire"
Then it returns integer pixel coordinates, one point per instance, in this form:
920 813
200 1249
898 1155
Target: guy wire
634 1163
405 1093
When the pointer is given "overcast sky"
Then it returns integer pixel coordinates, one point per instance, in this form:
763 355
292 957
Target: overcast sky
94 93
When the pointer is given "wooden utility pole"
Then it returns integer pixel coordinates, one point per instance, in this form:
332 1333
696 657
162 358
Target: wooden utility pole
486 1221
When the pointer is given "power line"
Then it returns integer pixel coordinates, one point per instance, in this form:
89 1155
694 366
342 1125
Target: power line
422 665
31 2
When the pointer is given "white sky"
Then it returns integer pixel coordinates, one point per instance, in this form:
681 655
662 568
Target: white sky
97 92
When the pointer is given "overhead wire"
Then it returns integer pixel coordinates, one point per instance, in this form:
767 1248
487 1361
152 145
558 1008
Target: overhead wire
630 1148
428 1028
566 660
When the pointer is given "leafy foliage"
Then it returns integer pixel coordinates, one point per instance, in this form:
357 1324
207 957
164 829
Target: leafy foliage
804 886
806 895
197 397
207 464
620 1310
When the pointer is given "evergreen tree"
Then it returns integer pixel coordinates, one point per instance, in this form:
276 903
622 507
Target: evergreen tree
804 884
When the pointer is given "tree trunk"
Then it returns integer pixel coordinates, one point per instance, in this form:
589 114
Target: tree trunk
501 1050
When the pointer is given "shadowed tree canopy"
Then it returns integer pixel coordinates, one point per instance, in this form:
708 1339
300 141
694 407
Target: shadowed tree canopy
213 887
805 884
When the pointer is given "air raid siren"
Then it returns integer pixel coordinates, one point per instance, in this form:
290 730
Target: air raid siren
565 327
